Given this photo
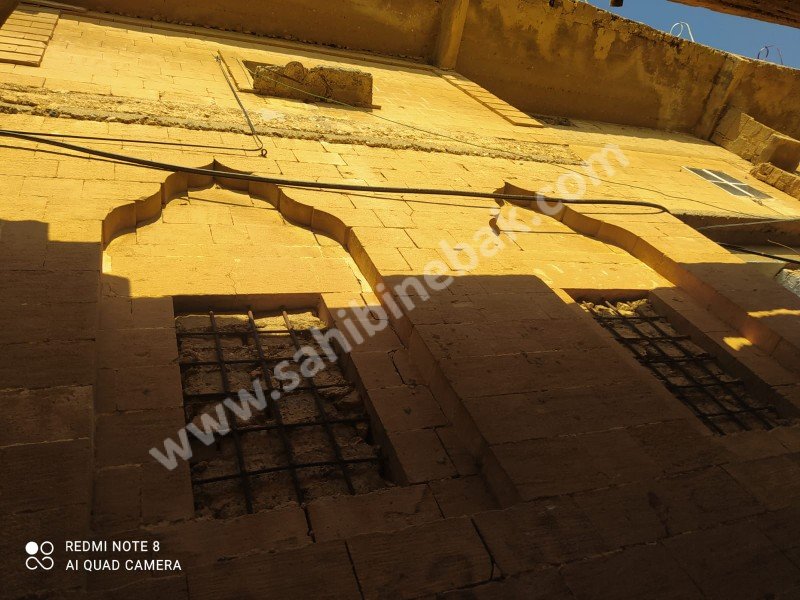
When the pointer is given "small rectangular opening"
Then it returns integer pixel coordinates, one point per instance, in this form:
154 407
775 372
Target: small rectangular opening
313 439
728 183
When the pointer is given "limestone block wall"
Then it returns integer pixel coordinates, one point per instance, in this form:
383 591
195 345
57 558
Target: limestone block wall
531 452
578 61
566 59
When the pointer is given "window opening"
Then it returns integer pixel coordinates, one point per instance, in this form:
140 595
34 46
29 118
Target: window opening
717 398
312 441
728 183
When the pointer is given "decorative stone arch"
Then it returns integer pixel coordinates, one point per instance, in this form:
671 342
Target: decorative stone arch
164 496
137 349
713 288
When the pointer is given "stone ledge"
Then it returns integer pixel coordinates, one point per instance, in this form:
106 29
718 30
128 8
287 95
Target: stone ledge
778 178
743 135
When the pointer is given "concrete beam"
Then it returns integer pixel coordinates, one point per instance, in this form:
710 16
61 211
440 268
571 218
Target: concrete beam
454 15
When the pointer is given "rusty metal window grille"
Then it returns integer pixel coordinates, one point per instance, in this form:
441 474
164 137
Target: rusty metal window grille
717 398
311 442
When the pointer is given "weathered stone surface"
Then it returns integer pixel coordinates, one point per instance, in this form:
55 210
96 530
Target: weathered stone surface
201 542
166 495
698 499
126 437
637 572
778 178
735 561
42 364
138 388
319 570
775 480
42 415
46 475
624 515
622 465
419 560
52 320
546 413
782 527
326 84
547 467
404 408
546 584
421 456
679 446
754 141
464 462
116 504
463 496
531 535
340 517
124 348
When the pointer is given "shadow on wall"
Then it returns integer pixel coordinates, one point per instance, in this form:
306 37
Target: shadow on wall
395 27
49 291
510 362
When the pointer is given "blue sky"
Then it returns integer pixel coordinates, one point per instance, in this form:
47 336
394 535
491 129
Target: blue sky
718 30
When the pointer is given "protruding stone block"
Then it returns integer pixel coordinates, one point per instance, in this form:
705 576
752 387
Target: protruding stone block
319 84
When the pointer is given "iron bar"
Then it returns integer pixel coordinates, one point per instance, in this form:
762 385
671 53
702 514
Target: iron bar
684 372
276 411
681 396
298 466
245 335
727 386
653 342
245 480
321 410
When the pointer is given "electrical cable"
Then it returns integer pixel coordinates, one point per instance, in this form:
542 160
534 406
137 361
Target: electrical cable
489 148
161 166
747 223
387 119
774 243
757 253
125 159
222 67
137 141
260 148
349 187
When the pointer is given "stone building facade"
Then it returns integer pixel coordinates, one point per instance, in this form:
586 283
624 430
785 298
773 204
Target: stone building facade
528 399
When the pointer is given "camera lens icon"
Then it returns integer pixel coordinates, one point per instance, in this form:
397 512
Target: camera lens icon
34 562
